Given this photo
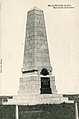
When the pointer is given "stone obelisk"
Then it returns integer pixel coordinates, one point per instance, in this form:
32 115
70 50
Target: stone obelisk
36 57
37 84
36 53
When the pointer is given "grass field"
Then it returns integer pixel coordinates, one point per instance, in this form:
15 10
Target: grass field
51 111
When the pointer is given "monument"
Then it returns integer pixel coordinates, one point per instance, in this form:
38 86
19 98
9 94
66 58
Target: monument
37 71
37 84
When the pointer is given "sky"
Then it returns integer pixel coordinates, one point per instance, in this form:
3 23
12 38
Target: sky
62 27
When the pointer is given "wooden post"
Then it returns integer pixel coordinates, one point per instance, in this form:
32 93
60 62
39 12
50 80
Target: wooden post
76 110
17 116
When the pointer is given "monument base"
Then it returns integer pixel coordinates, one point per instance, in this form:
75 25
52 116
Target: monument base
37 99
30 92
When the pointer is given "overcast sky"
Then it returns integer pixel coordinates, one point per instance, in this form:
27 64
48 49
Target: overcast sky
62 26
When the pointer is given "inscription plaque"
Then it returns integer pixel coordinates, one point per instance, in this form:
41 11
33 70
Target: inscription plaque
45 85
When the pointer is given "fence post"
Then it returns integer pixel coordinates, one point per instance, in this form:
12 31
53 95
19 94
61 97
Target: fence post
76 110
17 116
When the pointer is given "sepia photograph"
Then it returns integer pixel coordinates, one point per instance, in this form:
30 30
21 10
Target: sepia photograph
39 59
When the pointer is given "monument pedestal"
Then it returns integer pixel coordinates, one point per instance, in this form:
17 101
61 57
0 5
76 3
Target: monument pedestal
30 93
34 83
